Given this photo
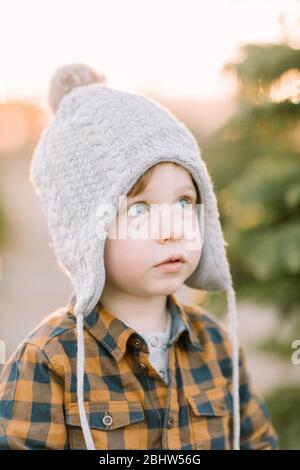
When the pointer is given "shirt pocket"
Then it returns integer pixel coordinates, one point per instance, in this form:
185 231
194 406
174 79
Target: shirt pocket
114 424
210 418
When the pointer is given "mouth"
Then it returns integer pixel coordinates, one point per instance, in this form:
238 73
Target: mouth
172 263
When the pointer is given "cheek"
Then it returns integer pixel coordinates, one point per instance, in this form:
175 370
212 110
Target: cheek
193 248
196 255
125 257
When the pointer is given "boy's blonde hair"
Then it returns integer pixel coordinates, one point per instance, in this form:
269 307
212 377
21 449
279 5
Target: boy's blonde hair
144 179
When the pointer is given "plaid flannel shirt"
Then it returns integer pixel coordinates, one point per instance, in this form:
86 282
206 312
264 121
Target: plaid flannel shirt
128 404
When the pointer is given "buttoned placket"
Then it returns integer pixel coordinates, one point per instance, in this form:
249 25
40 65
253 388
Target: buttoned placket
170 438
170 434
144 363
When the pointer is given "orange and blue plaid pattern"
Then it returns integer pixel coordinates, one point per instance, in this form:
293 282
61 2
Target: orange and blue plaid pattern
128 404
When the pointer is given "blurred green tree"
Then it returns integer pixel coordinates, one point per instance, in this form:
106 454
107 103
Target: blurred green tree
284 406
255 162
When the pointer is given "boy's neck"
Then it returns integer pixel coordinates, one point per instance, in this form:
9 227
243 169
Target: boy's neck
143 314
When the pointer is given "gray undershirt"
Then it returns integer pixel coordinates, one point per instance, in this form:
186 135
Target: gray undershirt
157 344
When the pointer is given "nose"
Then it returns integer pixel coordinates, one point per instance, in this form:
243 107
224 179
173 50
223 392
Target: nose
170 226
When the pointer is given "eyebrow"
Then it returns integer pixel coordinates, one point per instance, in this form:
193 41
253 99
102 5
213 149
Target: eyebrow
186 187
179 189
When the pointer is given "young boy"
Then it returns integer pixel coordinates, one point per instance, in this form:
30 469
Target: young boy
126 365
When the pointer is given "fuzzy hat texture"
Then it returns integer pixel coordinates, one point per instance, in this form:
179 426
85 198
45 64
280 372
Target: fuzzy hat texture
98 143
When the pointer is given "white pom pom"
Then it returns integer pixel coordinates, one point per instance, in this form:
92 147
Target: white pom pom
68 77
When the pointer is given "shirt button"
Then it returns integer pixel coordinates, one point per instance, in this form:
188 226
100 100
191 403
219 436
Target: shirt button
143 367
138 343
107 419
170 422
154 341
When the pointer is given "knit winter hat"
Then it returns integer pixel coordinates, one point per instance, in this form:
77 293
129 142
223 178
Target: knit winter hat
96 146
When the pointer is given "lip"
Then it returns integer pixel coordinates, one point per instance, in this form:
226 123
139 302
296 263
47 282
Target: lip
172 267
173 263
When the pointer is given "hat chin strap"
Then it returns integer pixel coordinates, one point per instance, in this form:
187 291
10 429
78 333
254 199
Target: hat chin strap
80 387
231 300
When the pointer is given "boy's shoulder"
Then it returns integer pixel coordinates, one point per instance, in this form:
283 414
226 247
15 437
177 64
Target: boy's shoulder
57 324
205 325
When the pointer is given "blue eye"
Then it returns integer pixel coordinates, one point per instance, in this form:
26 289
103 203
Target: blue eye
137 209
188 201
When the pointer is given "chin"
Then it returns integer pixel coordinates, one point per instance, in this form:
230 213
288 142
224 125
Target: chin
168 287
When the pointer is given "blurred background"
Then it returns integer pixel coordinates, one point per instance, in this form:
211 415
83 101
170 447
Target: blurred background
231 71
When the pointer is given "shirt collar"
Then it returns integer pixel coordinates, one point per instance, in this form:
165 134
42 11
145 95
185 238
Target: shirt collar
114 334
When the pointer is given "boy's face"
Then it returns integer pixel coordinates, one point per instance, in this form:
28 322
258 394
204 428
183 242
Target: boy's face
160 222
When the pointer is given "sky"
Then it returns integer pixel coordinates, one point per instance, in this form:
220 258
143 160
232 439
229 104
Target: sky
174 48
